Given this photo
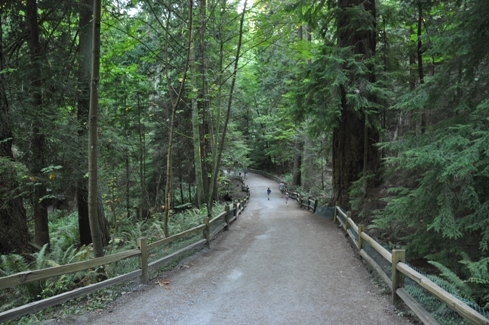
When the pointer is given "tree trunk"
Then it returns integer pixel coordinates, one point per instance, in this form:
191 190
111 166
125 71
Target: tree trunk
145 202
84 73
420 60
169 173
95 229
128 188
85 62
349 144
217 163
204 101
41 236
298 146
199 182
14 233
296 171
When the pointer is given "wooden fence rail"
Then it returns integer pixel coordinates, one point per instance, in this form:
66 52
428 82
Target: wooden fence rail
225 218
307 202
400 269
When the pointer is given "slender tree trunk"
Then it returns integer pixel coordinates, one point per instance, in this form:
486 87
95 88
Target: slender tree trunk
169 174
145 204
299 145
14 233
199 182
228 112
128 174
214 125
84 74
41 236
420 60
206 126
296 172
95 229
196 139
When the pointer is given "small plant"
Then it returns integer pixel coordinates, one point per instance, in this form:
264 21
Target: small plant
475 288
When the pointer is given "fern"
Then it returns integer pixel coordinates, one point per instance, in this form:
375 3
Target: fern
478 270
476 288
453 281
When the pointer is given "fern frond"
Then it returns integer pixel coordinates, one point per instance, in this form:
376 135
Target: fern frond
453 279
477 269
41 257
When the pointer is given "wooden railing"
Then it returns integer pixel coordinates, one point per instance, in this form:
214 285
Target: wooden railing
399 270
219 223
305 202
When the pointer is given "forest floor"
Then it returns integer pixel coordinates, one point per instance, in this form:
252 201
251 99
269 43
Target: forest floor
277 264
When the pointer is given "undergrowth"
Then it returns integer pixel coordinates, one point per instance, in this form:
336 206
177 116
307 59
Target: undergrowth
65 249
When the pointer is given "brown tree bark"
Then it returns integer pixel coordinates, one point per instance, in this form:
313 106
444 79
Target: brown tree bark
169 171
296 172
14 233
299 145
85 39
41 236
84 73
217 163
354 139
96 226
420 59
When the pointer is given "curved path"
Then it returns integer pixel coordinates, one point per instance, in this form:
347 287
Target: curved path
278 264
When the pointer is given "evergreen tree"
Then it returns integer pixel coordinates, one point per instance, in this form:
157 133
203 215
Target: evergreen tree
442 172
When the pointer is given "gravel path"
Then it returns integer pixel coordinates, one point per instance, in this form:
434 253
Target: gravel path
278 264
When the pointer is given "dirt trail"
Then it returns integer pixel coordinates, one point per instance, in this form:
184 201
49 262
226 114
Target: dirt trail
278 264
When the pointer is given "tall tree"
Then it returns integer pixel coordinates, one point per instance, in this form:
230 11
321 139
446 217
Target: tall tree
443 170
176 103
41 234
217 161
95 224
196 138
299 144
84 72
14 233
354 138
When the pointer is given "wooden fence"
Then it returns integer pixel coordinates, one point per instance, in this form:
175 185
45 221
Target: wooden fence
209 229
305 202
399 270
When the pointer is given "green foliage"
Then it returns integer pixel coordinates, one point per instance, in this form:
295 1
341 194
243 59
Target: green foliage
475 287
183 221
439 170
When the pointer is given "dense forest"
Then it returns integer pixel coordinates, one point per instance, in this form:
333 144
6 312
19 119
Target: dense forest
118 112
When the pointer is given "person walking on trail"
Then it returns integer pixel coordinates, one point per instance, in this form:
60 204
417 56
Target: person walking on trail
282 189
268 192
287 198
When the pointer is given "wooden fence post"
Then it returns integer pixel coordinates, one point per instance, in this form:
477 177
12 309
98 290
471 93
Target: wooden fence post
347 224
226 217
398 255
335 211
143 259
361 242
207 232
315 206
